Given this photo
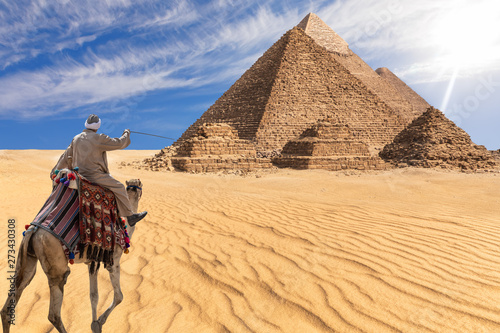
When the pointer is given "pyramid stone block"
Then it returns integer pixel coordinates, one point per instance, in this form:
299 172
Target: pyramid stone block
328 145
217 147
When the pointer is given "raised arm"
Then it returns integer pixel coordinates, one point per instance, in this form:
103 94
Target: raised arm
107 143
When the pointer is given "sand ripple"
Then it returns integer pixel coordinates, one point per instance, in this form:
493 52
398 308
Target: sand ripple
400 251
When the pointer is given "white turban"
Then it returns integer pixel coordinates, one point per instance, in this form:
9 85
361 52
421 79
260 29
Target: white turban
93 125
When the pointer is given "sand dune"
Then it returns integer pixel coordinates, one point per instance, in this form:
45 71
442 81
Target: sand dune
408 250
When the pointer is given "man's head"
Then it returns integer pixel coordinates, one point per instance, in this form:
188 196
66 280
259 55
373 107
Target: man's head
93 122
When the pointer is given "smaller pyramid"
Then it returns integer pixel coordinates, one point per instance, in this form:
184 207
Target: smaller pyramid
216 147
328 145
432 140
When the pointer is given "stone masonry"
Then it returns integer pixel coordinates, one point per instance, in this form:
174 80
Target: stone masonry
319 104
324 35
216 147
328 145
404 104
292 86
432 140
419 104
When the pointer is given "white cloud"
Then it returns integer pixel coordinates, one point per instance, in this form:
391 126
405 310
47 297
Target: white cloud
183 44
48 27
180 15
119 69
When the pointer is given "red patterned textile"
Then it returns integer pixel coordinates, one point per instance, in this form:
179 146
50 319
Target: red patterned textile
99 223
98 215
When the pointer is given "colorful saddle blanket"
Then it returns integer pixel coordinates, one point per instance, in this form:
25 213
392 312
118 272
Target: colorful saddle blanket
99 222
60 216
83 218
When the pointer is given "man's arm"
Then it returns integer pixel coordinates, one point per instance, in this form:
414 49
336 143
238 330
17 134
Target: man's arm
106 143
65 161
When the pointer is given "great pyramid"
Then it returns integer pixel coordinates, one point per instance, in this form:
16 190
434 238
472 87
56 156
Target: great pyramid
293 85
432 140
384 86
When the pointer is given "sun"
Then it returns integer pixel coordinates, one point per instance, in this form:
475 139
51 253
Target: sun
468 36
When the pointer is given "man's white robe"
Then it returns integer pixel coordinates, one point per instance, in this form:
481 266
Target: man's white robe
87 151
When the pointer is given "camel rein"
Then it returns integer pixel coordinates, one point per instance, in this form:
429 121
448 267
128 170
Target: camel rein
159 136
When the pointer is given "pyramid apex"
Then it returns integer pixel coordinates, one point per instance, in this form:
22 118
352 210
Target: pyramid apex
383 70
305 21
432 112
323 34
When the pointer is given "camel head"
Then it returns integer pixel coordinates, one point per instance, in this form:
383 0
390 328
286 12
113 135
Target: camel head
134 192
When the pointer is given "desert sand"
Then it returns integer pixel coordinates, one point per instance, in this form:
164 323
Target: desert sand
411 250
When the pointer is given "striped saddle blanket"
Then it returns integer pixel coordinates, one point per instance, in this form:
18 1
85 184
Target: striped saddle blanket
82 219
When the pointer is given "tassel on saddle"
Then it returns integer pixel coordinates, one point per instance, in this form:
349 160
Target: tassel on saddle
97 255
81 248
108 260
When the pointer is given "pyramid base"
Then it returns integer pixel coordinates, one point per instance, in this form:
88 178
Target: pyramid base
221 163
461 164
331 163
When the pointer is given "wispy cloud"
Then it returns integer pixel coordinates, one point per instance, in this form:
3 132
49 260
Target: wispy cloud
120 68
47 27
63 55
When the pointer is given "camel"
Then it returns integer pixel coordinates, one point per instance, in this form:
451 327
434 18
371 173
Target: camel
43 246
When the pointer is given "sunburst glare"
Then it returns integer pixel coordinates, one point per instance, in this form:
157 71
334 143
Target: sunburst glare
469 35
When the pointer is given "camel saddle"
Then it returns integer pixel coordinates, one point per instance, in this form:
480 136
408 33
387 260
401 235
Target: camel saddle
84 217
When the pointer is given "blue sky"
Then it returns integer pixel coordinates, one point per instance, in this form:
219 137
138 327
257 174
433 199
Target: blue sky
156 66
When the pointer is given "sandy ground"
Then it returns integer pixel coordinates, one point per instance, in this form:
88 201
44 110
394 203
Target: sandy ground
408 250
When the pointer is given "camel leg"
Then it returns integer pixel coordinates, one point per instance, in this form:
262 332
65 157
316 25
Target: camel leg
114 276
21 282
94 299
55 265
56 297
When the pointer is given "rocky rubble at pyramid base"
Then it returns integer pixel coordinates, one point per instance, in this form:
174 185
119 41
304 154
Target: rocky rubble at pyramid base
430 141
162 160
445 156
159 162
331 164
496 154
220 163
269 154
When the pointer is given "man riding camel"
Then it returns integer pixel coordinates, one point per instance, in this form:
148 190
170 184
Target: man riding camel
87 151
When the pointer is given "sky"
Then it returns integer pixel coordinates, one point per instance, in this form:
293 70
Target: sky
155 66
